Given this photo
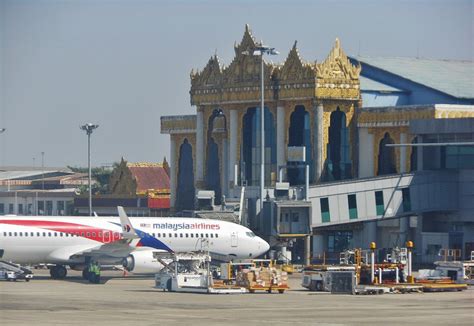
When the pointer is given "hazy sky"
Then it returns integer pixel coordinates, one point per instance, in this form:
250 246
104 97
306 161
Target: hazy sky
123 64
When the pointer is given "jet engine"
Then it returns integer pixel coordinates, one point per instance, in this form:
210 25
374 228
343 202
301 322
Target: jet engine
142 262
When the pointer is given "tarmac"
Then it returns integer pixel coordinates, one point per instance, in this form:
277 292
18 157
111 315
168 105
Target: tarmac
133 300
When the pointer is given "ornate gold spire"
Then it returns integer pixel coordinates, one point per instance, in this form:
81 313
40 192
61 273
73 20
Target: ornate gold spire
210 75
337 65
294 69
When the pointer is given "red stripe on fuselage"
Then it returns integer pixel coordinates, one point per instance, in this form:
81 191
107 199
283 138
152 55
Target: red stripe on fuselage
85 231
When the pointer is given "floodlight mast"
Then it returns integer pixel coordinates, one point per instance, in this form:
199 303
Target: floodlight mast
260 50
89 128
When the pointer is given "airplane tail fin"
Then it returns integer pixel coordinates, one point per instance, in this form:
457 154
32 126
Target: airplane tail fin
128 231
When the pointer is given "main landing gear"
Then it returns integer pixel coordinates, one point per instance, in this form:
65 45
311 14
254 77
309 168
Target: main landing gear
58 272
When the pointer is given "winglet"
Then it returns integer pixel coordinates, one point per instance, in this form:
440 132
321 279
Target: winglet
128 232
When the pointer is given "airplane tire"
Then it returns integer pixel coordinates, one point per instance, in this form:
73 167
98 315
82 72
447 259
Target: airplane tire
58 272
61 272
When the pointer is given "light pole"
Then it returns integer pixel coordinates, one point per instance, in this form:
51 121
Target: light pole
2 130
89 128
260 50
42 170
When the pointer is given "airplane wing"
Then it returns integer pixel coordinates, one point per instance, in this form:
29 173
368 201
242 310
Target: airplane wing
117 249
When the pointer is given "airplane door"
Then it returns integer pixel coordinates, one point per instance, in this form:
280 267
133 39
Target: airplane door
106 237
234 239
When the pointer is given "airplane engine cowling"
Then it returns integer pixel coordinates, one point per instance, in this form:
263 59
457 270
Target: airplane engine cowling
142 262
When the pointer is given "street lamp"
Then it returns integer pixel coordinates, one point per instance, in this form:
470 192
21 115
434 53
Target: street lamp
260 50
89 128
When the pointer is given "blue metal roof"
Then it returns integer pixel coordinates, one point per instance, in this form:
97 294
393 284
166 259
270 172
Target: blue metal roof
367 84
455 78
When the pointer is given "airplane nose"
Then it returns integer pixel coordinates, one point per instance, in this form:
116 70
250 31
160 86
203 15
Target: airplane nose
264 246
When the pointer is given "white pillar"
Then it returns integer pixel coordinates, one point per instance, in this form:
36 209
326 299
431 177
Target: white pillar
199 146
281 130
318 141
232 145
173 168
225 168
366 153
403 153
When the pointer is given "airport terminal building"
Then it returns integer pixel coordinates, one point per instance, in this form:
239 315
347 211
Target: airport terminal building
332 178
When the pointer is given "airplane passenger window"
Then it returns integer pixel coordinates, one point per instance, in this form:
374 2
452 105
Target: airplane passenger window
192 235
202 235
82 233
180 235
187 235
49 234
217 236
93 234
176 235
9 234
207 235
26 234
55 234
212 235
37 234
88 234
100 234
60 234
4 234
66 234
164 235
158 235
171 235
44 234
197 235
21 234
32 234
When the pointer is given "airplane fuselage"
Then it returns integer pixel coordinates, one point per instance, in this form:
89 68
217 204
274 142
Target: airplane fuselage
68 240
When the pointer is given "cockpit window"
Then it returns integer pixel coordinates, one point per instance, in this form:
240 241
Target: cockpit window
250 234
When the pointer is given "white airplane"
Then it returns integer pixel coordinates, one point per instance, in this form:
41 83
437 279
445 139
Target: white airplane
75 241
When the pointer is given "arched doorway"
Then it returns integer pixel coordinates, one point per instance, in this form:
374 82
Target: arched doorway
339 164
216 125
300 135
386 159
251 155
185 188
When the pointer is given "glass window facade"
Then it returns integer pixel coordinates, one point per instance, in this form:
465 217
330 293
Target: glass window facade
339 241
325 215
379 205
352 202
406 201
251 155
